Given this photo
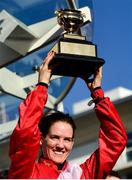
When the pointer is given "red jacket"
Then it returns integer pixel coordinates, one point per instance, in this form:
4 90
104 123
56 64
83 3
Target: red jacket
25 142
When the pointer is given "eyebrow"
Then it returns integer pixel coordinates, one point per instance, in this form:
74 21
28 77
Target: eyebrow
54 135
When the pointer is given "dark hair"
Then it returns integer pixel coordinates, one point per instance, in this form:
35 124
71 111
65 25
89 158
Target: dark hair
47 121
114 173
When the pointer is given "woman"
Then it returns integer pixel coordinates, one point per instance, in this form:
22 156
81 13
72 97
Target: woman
57 136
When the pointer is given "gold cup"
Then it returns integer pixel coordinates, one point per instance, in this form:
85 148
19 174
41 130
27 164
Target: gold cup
70 20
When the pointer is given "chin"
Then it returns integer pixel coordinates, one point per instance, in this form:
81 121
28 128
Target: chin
58 161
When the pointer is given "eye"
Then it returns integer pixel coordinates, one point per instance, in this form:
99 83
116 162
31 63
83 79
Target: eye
68 139
54 137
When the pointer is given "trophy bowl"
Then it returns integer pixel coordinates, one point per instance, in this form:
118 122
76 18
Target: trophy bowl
70 20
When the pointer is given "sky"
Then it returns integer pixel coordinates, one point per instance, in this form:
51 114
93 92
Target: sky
112 33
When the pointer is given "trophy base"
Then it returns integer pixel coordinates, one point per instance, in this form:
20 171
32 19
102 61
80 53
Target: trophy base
75 65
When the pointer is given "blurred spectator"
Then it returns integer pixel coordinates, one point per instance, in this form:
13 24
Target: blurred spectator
4 174
113 175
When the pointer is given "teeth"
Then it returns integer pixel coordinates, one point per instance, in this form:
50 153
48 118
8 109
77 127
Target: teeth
56 152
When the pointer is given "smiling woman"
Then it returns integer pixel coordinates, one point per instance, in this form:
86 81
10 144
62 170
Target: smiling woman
56 134
58 143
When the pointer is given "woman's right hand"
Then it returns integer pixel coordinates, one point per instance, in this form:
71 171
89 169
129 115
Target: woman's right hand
45 71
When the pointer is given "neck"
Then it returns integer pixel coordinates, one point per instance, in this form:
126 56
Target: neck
60 166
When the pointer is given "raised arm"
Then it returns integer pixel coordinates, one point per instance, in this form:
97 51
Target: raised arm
25 139
112 135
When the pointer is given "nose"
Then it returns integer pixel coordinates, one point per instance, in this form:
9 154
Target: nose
60 144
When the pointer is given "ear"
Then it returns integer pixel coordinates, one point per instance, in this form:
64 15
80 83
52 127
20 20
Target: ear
73 143
41 141
41 138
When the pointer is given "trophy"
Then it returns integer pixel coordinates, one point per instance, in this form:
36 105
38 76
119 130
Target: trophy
75 55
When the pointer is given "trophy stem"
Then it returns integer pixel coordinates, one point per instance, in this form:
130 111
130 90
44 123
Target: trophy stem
71 4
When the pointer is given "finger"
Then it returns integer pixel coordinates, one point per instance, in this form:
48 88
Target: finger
98 71
50 53
48 58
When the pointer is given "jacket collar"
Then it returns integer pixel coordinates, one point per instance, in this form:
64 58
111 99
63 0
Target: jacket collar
50 163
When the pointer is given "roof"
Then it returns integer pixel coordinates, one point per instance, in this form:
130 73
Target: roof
115 95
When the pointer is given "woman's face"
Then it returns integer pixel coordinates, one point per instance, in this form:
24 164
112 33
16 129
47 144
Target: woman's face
58 143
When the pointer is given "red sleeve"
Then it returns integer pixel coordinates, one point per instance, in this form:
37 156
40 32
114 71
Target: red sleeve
112 140
25 139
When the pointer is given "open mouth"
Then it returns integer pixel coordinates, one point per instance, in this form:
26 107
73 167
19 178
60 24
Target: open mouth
58 152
